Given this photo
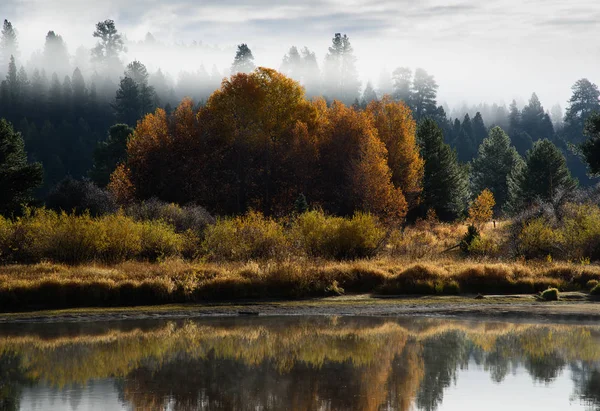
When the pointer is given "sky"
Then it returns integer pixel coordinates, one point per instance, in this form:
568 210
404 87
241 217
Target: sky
491 51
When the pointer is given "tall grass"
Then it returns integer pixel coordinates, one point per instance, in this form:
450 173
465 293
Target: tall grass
47 285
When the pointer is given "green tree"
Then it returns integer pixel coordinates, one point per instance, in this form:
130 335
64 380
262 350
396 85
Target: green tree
340 75
423 96
8 44
110 153
127 103
479 130
535 122
243 61
545 174
17 177
110 44
445 185
402 80
590 148
368 95
496 161
465 143
583 103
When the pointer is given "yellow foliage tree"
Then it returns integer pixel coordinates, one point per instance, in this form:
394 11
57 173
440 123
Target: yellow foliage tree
482 209
396 128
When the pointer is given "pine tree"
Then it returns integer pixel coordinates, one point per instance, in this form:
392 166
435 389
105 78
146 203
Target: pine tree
243 61
291 65
127 102
465 143
583 103
110 44
402 79
110 153
496 161
479 130
8 45
301 205
590 148
445 186
56 55
17 177
545 174
368 95
424 93
340 75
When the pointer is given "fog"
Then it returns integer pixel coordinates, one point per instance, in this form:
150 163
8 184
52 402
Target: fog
489 52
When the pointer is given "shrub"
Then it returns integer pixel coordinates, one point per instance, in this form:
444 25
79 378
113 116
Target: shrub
595 290
591 284
123 239
80 196
185 218
334 237
251 236
538 239
551 294
471 235
581 231
483 246
159 240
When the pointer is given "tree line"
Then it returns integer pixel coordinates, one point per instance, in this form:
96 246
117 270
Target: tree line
64 123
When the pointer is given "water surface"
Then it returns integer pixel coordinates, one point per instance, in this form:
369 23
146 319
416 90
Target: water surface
300 363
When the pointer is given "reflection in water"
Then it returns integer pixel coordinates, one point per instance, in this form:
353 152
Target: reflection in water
277 363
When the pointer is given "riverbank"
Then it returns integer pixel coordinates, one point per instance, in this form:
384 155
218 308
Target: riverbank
54 286
574 307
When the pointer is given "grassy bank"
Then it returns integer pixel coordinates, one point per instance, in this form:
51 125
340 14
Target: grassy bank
45 285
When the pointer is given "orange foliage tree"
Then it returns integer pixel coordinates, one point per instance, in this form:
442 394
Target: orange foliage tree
396 128
258 143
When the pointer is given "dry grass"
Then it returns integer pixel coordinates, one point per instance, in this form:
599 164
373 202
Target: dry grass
48 285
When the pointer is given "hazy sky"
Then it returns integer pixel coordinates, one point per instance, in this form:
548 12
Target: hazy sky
492 50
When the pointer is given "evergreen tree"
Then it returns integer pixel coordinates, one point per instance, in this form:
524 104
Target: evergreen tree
110 153
368 95
311 74
424 93
79 93
590 148
402 79
583 103
147 96
544 175
127 102
445 185
8 45
465 143
110 44
301 205
496 161
535 122
479 130
340 75
56 55
17 177
243 61
291 65
385 86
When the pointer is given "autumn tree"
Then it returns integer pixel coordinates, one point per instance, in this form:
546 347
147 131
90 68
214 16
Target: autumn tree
397 130
482 209
354 174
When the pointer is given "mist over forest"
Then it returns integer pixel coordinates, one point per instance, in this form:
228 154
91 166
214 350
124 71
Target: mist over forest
64 101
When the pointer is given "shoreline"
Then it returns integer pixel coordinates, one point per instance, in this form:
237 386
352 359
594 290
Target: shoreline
574 308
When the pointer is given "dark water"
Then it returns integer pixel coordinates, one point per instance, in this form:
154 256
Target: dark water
300 363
